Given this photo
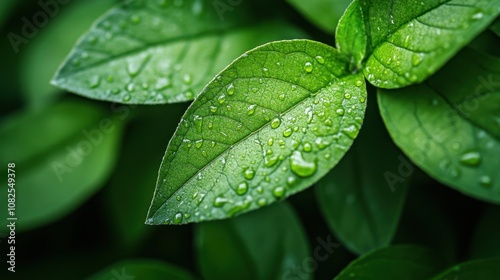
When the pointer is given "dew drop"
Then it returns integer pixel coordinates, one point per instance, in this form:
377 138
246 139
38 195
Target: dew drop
251 109
131 87
275 123
126 98
198 122
359 83
270 161
351 131
220 201
279 192
262 202
485 181
187 216
291 181
95 81
347 96
477 16
242 188
320 59
270 141
307 147
416 59
287 132
178 218
340 112
281 96
222 99
471 159
198 144
300 166
249 173
308 67
230 89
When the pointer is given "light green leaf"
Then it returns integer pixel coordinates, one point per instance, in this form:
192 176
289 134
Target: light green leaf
450 126
270 125
363 196
266 244
57 169
43 53
325 14
485 242
397 262
350 35
153 52
474 270
143 270
409 40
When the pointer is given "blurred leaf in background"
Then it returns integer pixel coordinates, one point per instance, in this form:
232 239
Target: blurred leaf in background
362 198
265 244
63 154
43 53
325 14
141 270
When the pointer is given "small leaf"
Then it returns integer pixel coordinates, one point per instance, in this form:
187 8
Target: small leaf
485 242
325 14
477 270
153 52
57 169
141 269
267 244
450 126
270 125
396 262
42 55
409 40
362 197
350 36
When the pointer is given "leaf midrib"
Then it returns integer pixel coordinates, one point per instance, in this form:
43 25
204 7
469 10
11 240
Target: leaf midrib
188 38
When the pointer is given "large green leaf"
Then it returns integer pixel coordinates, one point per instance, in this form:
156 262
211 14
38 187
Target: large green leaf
449 126
325 14
161 52
473 270
270 125
57 169
485 242
396 262
44 53
266 244
407 41
350 36
362 197
141 270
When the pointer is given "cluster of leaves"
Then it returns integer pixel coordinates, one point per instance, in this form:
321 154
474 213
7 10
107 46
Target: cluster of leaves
272 115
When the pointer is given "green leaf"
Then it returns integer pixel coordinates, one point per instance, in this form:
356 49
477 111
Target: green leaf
485 242
266 244
129 194
42 55
477 270
362 197
270 125
57 169
143 270
396 262
153 52
450 126
325 14
409 40
495 27
350 35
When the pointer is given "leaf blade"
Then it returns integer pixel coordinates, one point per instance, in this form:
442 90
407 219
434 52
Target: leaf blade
160 53
453 128
417 38
255 106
